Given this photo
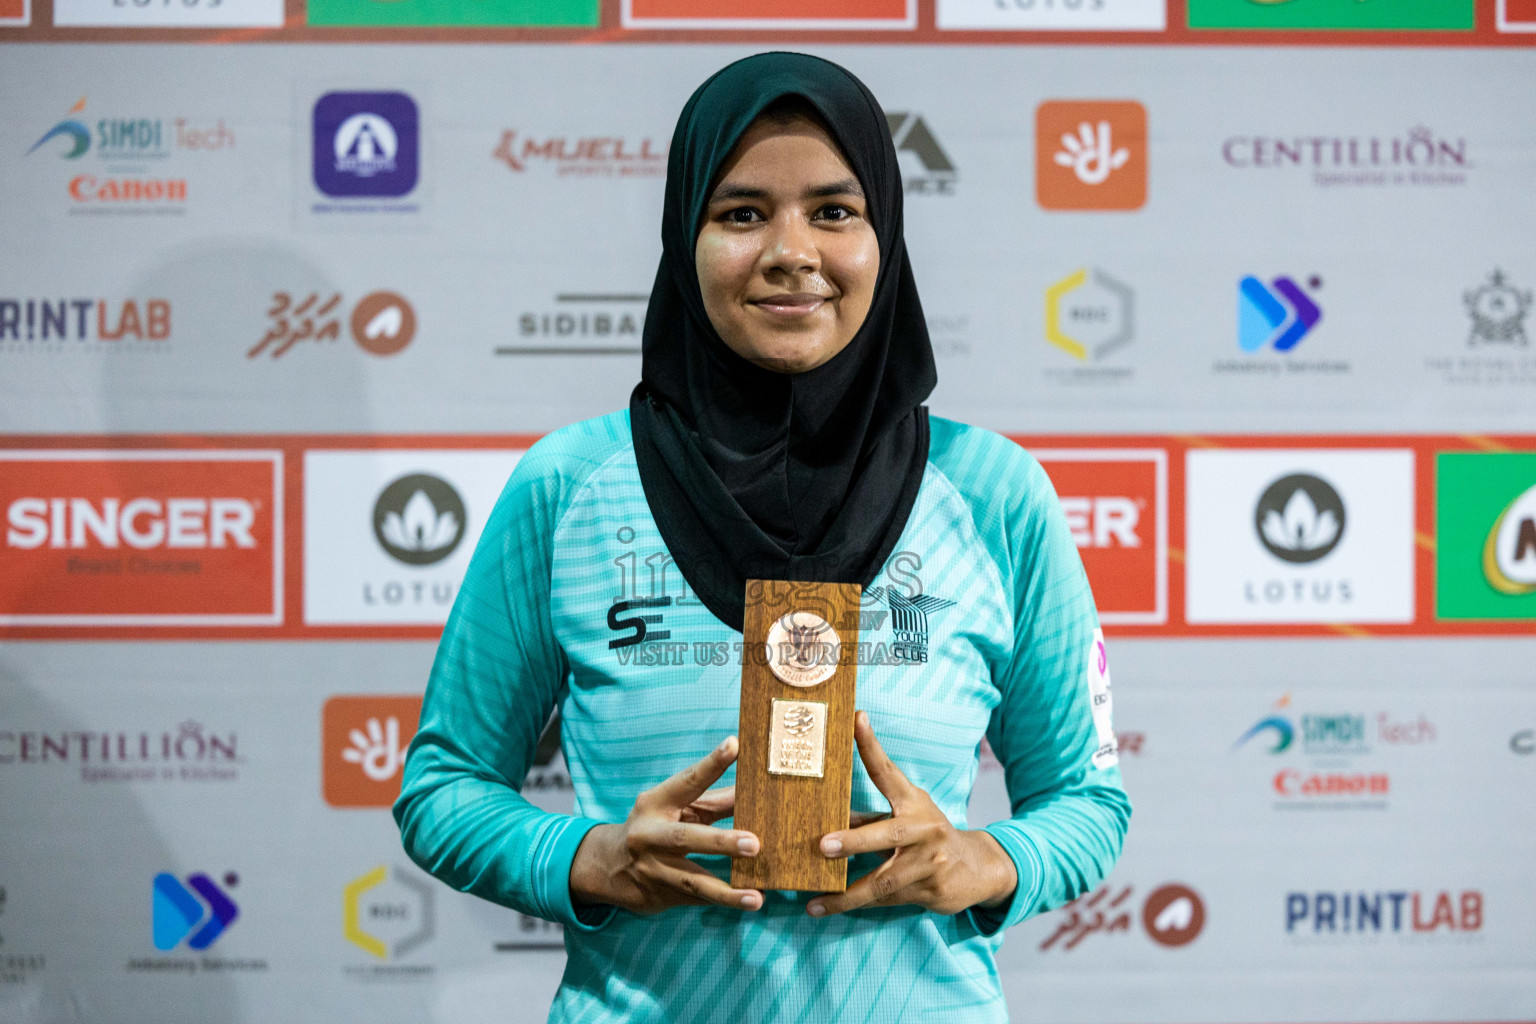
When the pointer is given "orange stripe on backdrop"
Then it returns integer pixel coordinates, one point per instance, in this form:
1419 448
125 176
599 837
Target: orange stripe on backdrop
293 448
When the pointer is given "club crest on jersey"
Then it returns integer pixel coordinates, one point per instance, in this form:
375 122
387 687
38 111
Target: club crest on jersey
909 621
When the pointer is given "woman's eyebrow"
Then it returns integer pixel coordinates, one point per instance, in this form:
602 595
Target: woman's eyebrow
846 187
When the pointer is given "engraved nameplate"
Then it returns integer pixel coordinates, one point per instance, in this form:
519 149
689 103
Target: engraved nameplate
797 738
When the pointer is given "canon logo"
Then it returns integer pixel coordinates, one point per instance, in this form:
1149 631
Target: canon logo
1103 522
138 523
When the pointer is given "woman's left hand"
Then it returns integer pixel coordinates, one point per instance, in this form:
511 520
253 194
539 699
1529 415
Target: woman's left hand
931 863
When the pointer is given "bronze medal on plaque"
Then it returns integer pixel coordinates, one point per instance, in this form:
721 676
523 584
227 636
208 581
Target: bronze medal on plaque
794 772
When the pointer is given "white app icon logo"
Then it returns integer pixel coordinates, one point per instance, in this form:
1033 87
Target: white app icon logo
1091 154
365 145
378 751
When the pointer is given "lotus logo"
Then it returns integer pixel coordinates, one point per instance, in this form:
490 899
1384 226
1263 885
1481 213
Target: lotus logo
1300 518
419 519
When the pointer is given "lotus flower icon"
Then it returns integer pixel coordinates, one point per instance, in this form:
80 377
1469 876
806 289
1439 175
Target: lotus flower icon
1300 518
419 519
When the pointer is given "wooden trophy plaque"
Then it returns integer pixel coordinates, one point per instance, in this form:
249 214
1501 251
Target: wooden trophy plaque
794 773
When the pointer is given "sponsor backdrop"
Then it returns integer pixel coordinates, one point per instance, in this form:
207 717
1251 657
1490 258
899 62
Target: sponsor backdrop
1254 281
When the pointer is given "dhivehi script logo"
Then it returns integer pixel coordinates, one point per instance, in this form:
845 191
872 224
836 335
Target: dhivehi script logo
1300 518
419 519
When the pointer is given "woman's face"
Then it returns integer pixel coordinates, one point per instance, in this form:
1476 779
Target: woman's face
787 258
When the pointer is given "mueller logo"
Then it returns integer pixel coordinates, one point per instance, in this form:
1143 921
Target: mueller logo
1417 157
1172 915
366 144
88 320
363 741
1278 316
141 538
419 519
382 323
1115 502
1399 912
586 156
197 910
927 168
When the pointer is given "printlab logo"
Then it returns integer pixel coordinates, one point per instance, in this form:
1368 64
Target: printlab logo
197 911
1408 914
1277 316
1498 311
1300 518
1485 535
388 913
608 156
1173 915
1089 314
364 741
382 323
928 169
119 324
366 144
1091 155
419 519
909 622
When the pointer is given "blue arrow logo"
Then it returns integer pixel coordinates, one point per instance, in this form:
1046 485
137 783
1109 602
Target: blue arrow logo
177 911
1279 315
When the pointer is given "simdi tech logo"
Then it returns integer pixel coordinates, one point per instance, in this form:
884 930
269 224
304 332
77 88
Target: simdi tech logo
1091 155
1116 506
364 740
141 538
388 534
1485 536
366 145
1299 536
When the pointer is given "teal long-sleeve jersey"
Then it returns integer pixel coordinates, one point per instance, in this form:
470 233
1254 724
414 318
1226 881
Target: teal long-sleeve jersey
980 625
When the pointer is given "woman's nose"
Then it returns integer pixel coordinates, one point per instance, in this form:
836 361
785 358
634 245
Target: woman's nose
790 246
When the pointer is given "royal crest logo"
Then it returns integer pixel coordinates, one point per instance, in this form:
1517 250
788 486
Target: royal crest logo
909 621
1498 312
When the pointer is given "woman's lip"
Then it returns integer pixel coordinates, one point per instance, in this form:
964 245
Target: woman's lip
791 303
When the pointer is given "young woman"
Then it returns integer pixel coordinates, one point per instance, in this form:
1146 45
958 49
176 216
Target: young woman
778 432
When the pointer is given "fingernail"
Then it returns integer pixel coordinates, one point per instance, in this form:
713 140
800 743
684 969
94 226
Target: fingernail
831 847
749 901
725 745
816 909
747 845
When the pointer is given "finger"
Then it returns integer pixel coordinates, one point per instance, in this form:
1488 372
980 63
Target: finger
863 818
888 779
889 834
689 784
712 806
883 887
680 837
690 880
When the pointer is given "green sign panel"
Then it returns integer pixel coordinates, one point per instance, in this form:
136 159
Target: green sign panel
416 13
1485 536
1305 14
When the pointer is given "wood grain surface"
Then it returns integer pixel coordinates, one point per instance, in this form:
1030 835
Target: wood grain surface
790 814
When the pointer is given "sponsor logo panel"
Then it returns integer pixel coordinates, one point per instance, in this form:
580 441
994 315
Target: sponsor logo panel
1485 535
1091 155
1313 14
193 914
141 538
925 167
382 323
1517 15
363 745
1276 316
18 966
181 14
581 156
1044 15
56 324
388 534
1116 504
825 14
1090 315
15 13
389 913
187 753
425 13
581 324
1497 347
1300 536
1368 915
1171 916
1418 156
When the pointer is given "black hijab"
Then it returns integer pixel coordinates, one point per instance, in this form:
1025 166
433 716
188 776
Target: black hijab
753 474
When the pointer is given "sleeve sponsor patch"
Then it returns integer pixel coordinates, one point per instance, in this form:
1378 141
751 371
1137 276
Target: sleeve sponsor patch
1107 754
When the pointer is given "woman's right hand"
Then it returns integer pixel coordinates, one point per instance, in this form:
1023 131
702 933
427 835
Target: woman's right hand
642 865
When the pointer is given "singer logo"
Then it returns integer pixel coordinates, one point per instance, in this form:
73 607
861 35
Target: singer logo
141 538
365 739
1116 505
1091 155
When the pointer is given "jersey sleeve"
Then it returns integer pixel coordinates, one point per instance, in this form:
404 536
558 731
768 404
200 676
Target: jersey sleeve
498 673
1052 731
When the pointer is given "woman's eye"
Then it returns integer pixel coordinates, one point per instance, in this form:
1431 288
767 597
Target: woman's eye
834 211
742 215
